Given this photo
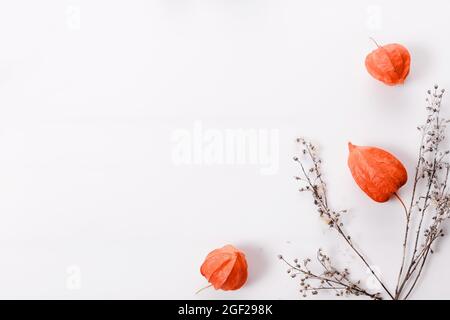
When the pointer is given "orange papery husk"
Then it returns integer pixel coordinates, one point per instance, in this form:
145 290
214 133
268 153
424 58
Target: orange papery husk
377 172
225 268
389 64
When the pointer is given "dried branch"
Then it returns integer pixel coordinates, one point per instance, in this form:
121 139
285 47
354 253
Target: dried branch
328 278
429 208
432 170
313 182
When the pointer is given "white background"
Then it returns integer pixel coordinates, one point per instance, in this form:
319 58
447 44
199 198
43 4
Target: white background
92 92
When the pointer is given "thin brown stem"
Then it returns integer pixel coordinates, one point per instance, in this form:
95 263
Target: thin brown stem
403 204
347 239
407 216
201 289
424 259
376 43
400 285
425 206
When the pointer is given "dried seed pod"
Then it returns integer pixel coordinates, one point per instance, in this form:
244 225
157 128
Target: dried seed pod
389 64
225 268
377 172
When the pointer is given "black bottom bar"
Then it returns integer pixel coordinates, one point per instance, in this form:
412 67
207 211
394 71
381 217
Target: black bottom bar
224 309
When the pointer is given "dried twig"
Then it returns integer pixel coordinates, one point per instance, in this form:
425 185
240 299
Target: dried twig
313 182
428 210
432 170
329 278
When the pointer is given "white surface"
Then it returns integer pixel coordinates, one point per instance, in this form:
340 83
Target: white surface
92 93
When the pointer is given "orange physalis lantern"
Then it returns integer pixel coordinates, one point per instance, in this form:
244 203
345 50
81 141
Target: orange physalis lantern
377 172
225 268
389 63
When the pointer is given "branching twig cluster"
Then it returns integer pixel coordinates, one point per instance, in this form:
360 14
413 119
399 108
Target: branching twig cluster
428 209
430 200
329 278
